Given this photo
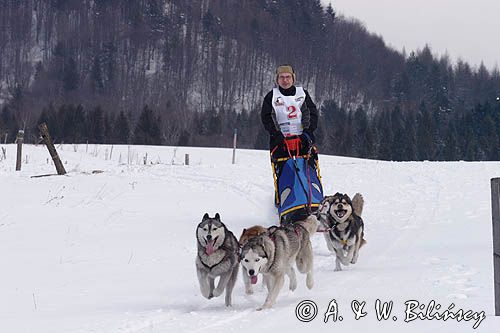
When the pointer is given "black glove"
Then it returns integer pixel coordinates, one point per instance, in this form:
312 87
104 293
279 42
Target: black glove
277 139
306 140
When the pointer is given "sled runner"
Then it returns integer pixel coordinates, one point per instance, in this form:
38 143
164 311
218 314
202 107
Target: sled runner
297 180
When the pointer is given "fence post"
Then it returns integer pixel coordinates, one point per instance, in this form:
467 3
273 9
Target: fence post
234 144
44 131
19 140
495 214
186 159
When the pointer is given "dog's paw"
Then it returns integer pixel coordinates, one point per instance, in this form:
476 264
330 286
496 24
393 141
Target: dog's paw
264 306
309 281
217 292
206 293
293 282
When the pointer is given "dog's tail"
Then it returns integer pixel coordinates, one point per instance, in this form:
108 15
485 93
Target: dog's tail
357 204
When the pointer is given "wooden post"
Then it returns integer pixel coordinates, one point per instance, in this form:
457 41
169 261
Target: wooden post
234 144
44 131
186 159
495 213
5 140
19 140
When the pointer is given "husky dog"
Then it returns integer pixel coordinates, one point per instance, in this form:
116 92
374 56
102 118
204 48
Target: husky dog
217 256
246 235
251 232
345 228
273 254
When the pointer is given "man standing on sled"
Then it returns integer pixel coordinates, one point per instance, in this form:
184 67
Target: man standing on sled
290 116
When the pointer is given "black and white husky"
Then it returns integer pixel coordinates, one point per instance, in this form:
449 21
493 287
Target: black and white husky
274 253
344 228
218 251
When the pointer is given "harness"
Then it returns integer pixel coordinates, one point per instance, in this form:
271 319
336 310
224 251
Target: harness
331 222
333 225
210 267
296 229
343 241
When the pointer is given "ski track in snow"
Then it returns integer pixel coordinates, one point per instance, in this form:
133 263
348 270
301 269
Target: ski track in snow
115 252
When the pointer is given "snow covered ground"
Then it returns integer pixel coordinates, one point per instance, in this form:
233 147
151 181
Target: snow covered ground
115 251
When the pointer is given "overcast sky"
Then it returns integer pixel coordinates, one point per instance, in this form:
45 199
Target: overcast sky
466 29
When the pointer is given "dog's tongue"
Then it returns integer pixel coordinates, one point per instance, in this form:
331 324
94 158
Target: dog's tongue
253 279
210 247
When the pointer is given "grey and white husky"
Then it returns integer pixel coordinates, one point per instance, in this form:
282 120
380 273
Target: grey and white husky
344 233
274 253
218 251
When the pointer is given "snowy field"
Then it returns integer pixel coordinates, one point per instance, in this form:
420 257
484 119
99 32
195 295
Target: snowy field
115 251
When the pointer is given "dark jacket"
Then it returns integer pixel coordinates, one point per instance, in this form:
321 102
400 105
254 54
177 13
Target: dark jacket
268 116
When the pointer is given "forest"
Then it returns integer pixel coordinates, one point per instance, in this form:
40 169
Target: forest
187 73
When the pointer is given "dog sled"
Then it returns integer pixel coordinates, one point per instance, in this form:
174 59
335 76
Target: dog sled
297 180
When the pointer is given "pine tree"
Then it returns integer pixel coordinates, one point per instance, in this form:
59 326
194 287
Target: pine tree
330 13
451 150
410 134
363 136
95 125
121 129
399 142
80 133
425 135
10 122
52 121
490 139
69 124
147 130
471 146
384 128
346 144
108 130
214 122
184 138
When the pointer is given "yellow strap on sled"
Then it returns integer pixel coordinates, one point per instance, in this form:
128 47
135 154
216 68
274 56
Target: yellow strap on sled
275 178
296 208
282 159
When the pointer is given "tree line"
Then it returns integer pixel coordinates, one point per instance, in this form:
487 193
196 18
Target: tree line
397 134
404 135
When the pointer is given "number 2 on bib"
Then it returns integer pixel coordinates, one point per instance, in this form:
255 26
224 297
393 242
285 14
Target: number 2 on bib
292 112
